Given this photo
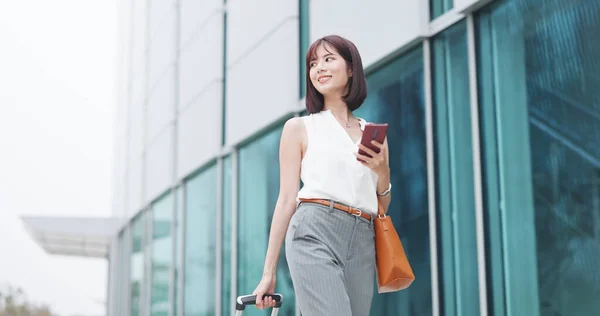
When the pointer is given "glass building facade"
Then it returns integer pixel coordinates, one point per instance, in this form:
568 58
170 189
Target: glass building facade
494 134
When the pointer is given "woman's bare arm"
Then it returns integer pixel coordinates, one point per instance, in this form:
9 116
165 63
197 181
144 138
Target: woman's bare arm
290 157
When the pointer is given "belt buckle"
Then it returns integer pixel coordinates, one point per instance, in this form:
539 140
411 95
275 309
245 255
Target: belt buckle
359 212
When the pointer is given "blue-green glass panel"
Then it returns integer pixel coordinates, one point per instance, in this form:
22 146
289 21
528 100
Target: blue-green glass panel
455 209
226 254
162 243
200 244
304 42
439 7
396 96
258 187
136 273
495 266
540 122
178 247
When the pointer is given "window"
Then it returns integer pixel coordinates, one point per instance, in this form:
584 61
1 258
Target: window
439 7
122 275
137 263
162 216
455 200
200 244
540 120
258 191
396 97
304 43
226 306
177 241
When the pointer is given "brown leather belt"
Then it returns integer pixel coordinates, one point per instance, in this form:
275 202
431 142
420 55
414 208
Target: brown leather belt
338 206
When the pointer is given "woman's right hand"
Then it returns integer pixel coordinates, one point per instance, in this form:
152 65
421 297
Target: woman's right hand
266 286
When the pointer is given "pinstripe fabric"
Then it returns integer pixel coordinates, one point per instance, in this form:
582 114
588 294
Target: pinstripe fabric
331 257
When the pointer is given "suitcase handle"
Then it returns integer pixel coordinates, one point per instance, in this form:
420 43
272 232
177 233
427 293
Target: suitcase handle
244 300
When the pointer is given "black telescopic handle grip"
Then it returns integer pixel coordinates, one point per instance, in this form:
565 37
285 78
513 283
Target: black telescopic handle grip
242 301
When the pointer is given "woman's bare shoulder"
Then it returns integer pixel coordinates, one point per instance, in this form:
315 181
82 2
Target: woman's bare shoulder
294 132
294 126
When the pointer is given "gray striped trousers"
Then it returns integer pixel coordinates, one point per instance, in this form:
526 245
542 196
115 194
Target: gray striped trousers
331 257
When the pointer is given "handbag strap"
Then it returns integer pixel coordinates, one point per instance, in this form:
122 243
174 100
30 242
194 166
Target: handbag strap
380 207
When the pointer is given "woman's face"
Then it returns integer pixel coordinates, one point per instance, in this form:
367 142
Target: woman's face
329 72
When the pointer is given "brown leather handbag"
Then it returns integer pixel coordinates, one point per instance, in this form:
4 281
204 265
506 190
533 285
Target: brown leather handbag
393 270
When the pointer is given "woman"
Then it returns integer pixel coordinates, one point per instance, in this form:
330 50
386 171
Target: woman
329 247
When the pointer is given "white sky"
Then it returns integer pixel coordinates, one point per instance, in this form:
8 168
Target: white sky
57 62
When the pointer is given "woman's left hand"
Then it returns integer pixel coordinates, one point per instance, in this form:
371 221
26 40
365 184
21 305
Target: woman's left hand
379 161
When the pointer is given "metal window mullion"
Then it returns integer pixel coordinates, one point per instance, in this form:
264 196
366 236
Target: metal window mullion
173 229
220 168
453 188
172 268
129 98
477 173
234 226
129 249
443 22
150 262
174 218
145 98
181 232
149 233
224 81
126 306
109 277
142 284
431 177
219 252
114 263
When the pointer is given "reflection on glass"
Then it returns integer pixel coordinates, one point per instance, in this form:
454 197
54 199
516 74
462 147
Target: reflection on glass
162 213
396 97
540 108
457 240
137 263
258 192
304 43
439 7
226 306
178 247
200 244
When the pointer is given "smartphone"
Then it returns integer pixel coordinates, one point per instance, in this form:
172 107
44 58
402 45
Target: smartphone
371 132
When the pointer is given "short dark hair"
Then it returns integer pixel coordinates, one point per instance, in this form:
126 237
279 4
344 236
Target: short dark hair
357 83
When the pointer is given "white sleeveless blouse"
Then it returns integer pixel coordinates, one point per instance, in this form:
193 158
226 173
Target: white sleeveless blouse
329 169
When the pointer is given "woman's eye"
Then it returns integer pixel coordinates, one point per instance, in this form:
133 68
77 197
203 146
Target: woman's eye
328 58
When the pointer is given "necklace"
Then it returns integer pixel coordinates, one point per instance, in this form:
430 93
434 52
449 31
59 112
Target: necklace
347 123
